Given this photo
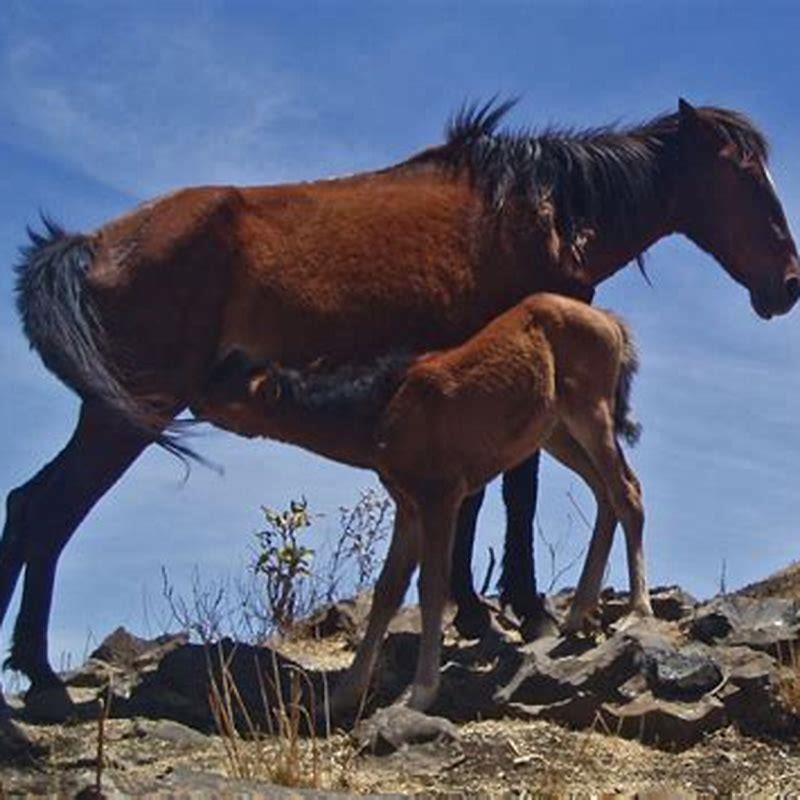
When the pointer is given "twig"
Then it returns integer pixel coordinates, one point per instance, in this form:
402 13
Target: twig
105 708
489 571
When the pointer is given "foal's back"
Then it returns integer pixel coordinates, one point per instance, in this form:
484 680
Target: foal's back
467 413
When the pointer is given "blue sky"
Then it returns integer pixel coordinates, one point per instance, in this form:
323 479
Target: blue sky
103 105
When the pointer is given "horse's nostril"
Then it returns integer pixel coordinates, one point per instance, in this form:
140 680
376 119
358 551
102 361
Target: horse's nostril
793 287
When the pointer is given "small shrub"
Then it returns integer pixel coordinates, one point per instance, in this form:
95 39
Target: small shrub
284 562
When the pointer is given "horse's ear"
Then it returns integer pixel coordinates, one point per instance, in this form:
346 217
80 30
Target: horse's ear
687 110
695 129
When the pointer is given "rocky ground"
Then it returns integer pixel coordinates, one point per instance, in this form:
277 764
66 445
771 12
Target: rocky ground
701 700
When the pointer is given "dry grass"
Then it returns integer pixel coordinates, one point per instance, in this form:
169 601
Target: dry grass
289 752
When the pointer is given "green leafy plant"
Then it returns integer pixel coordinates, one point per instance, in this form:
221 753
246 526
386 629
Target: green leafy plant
284 562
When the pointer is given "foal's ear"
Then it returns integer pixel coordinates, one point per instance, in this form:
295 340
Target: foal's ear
695 129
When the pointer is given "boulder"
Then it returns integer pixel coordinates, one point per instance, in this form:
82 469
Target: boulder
770 624
665 723
389 729
681 675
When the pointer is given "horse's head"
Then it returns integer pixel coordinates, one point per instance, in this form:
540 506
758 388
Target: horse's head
727 204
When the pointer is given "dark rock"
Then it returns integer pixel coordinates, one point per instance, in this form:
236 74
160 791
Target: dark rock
770 624
170 731
95 674
122 649
670 603
752 694
578 711
551 672
389 729
665 723
344 617
681 675
181 686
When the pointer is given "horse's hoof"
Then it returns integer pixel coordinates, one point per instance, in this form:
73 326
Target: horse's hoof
473 623
51 704
541 626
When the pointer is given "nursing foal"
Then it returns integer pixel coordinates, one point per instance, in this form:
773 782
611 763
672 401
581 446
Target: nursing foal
551 372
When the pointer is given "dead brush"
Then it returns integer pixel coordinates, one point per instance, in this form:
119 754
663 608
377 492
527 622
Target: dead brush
282 754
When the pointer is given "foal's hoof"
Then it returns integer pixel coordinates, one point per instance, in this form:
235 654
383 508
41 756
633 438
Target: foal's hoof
588 623
473 622
389 729
633 617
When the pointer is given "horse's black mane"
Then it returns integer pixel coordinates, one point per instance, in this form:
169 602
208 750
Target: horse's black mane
603 175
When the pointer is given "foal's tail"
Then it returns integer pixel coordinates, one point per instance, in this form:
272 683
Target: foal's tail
63 324
624 423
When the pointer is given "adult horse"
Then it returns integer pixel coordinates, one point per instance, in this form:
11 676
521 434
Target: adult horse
136 315
743 152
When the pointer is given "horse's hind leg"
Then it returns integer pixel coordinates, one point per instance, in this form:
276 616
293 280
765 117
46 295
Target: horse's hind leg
472 617
571 454
595 432
42 516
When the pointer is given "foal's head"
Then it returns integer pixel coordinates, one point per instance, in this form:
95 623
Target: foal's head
727 204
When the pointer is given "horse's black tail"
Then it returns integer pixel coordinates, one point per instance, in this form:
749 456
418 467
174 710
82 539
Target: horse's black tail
624 423
62 323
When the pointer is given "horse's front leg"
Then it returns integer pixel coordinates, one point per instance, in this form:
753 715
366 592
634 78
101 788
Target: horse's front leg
42 516
472 618
518 587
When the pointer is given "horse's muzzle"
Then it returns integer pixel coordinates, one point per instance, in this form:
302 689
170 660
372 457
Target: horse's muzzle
780 300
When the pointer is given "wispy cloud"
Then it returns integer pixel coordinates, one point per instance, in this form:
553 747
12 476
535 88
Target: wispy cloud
154 106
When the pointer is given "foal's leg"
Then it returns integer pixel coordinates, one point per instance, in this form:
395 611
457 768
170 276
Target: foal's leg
438 514
518 579
596 434
633 522
569 452
401 560
43 514
472 618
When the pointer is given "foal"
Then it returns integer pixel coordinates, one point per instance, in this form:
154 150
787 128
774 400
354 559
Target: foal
551 372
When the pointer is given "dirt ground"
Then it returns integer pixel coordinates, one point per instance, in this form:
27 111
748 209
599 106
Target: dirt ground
496 758
489 758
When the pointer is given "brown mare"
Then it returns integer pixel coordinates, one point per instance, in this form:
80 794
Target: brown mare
552 372
419 256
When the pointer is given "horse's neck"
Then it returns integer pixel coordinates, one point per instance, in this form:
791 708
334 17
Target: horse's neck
607 251
606 255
